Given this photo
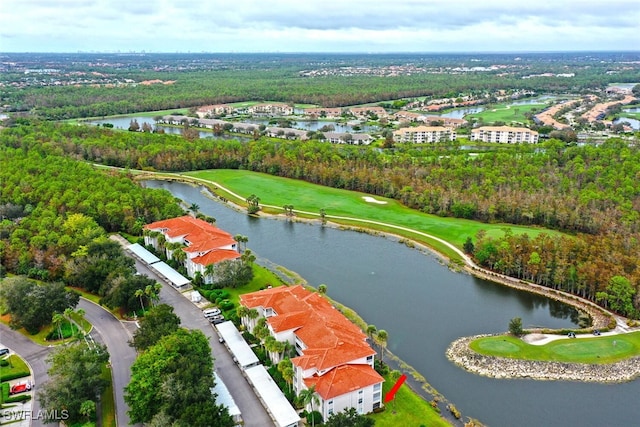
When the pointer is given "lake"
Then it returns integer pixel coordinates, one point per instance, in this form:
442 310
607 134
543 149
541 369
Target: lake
424 307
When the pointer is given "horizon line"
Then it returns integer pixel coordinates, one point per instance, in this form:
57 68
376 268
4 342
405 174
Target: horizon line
188 52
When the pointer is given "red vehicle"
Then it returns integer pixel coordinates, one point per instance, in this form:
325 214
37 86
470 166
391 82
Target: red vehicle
20 387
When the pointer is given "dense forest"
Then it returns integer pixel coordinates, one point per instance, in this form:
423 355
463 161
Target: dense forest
51 206
342 80
592 193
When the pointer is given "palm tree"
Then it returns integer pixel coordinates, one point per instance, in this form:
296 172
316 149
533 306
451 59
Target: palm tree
67 315
242 312
179 255
285 367
80 312
247 257
309 397
139 293
153 292
322 289
371 331
209 271
252 315
381 338
56 320
194 207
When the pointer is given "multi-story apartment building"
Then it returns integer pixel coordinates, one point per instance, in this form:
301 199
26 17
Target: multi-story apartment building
504 134
332 353
203 243
424 134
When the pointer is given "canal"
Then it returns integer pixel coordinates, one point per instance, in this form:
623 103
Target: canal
424 306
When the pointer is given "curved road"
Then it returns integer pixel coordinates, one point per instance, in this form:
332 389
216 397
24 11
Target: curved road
114 335
35 355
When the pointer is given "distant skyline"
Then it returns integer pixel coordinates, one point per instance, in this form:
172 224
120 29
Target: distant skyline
319 25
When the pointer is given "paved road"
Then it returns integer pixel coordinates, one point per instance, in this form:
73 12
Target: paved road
253 413
35 355
114 335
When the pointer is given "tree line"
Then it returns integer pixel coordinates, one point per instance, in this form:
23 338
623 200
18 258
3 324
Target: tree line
590 192
232 84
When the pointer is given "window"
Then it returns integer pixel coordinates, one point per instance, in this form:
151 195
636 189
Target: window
376 387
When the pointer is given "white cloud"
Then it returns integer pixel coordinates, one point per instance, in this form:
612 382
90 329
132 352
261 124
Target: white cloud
319 25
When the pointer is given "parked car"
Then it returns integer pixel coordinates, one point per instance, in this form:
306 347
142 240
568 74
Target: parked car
4 351
20 387
216 319
210 312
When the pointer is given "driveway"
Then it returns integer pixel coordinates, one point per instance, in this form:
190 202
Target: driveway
253 413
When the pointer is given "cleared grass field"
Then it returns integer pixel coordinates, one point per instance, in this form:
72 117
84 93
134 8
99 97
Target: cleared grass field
506 113
277 191
602 349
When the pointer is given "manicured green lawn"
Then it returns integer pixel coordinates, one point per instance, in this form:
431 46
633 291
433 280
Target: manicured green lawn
17 368
407 409
506 113
602 349
261 278
304 196
631 115
107 401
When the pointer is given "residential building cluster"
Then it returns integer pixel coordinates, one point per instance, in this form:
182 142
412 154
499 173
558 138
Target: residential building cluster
333 355
203 243
272 131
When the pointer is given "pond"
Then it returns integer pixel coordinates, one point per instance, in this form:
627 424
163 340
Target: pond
123 122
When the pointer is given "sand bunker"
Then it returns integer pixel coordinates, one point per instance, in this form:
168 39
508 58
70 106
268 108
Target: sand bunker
372 200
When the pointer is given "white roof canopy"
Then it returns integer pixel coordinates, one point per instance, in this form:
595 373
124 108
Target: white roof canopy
146 256
277 405
237 345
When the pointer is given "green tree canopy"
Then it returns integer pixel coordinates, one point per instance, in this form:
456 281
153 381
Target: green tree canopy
32 305
158 322
172 380
349 418
75 379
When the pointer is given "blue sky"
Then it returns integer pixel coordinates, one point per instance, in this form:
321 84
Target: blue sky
318 26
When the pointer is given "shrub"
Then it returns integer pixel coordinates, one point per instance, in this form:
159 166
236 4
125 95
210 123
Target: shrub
454 411
515 326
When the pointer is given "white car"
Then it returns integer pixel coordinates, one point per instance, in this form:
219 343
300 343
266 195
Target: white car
210 312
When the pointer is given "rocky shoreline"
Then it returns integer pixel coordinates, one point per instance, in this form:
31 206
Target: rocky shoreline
461 354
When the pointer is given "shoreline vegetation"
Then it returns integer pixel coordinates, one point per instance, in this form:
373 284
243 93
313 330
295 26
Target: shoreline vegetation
459 351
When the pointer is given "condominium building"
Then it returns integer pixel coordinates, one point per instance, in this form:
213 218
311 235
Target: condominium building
333 355
504 134
424 134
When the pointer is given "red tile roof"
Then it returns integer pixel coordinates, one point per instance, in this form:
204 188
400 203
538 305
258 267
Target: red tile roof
343 379
215 256
330 337
201 235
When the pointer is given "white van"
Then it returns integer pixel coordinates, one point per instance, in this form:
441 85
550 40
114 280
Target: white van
210 312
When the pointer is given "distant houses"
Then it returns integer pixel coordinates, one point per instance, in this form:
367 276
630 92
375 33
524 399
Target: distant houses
202 243
333 356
